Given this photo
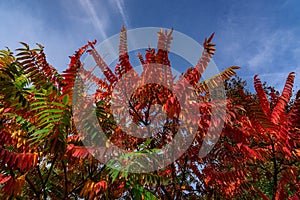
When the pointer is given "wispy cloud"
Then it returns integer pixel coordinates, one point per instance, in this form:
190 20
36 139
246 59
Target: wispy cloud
122 11
268 46
259 45
254 50
99 23
274 57
276 79
23 26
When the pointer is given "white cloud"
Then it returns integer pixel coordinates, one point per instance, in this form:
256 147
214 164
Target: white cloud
19 26
23 26
270 45
81 19
259 46
278 44
100 23
121 9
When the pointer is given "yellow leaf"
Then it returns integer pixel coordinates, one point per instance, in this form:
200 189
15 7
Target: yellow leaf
297 152
107 143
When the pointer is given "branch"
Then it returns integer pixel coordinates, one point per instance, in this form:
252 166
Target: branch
32 187
275 171
40 174
66 178
140 118
84 180
47 178
183 177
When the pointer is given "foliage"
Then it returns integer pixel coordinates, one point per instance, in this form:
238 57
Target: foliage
258 155
43 156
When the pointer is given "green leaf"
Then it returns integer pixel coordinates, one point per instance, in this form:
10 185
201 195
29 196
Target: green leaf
41 117
50 111
66 99
39 107
49 121
58 104
40 132
31 128
115 174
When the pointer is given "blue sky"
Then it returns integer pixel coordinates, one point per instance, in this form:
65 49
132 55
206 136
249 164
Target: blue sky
263 37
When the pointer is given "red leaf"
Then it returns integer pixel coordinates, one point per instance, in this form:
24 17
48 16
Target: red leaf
265 105
4 178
